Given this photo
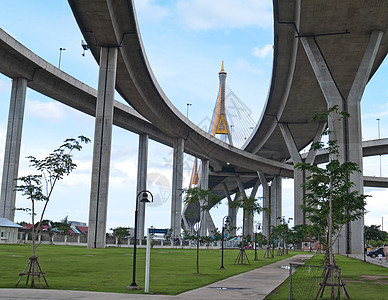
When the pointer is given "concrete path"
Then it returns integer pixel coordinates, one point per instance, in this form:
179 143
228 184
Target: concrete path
383 262
254 284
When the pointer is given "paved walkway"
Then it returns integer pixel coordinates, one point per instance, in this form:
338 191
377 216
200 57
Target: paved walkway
371 260
254 284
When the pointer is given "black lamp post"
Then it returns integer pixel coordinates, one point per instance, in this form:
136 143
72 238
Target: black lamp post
225 223
258 228
60 56
144 198
286 230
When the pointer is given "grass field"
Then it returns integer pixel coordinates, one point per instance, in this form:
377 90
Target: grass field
363 280
173 271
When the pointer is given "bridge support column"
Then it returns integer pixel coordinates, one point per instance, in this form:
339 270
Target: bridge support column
232 211
299 175
102 148
299 217
12 148
141 181
177 179
266 204
348 131
247 216
204 185
276 200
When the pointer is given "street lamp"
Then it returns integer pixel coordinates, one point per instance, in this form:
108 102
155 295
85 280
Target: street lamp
225 223
258 228
60 56
288 222
378 134
187 109
144 198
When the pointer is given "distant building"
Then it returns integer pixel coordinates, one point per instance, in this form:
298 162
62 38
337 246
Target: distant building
8 231
77 223
77 229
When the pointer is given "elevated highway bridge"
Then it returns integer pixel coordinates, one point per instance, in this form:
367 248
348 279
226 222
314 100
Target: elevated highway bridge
325 53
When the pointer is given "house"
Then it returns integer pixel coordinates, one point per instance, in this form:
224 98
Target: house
8 231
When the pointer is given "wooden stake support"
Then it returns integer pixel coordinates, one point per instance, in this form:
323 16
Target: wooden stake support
34 270
242 258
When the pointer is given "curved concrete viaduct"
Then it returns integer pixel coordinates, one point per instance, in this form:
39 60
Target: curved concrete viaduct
324 55
307 35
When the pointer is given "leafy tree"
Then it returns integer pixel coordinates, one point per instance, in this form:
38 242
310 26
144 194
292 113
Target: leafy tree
216 235
375 236
206 200
305 232
39 187
61 226
330 201
168 235
120 232
250 205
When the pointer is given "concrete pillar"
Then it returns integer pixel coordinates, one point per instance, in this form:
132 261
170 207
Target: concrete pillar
211 227
204 186
12 148
177 178
232 211
348 131
247 216
102 148
276 200
355 135
299 175
141 181
299 217
266 204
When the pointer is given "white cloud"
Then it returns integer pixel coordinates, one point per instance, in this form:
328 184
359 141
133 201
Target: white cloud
128 167
377 207
51 111
150 10
263 52
215 14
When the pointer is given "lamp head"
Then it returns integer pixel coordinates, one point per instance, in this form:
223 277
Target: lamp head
144 197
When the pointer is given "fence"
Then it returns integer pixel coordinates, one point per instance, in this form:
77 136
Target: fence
306 282
76 239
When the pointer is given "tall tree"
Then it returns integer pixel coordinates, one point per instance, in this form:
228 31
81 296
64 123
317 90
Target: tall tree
330 201
250 206
39 187
206 199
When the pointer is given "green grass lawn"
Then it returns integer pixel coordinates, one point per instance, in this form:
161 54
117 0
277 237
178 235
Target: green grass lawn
363 280
173 271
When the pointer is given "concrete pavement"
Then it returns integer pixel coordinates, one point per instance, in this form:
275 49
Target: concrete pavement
255 284
383 262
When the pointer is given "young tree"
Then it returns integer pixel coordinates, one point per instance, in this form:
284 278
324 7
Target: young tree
39 187
206 200
330 201
250 206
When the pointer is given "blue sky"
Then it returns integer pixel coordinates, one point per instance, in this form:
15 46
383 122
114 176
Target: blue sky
185 42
